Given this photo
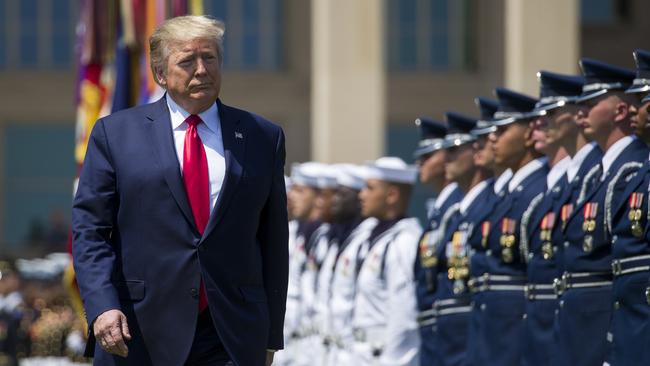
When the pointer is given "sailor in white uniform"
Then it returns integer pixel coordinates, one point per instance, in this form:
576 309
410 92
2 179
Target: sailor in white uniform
384 320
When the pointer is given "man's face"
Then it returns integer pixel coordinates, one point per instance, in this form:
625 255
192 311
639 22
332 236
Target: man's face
323 203
302 201
373 198
640 123
193 75
432 166
562 127
460 162
484 152
509 143
596 116
345 203
539 134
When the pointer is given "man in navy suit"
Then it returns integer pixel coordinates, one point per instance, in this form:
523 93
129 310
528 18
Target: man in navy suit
180 222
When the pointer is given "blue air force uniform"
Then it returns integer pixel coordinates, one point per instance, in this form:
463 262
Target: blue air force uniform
630 326
451 305
541 228
433 133
498 283
585 286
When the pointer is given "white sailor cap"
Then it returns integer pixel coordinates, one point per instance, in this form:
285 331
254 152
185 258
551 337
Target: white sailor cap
316 175
288 183
350 175
391 169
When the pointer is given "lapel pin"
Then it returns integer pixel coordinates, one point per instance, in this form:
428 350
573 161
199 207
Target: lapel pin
238 135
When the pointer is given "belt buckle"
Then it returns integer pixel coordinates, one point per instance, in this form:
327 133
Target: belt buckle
616 267
560 284
647 295
527 290
472 285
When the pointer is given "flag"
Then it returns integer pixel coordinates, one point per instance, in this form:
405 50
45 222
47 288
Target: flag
113 71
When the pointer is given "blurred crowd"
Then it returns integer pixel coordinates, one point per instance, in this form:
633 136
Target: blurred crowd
38 325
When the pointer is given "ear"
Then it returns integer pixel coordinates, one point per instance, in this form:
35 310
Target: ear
392 195
622 111
528 135
160 77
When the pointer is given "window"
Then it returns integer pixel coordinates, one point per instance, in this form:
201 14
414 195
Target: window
37 34
604 12
37 191
253 32
430 35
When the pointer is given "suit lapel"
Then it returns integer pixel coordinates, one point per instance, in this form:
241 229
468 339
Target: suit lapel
233 135
162 139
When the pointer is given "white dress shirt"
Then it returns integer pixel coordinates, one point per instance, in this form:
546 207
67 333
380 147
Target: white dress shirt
613 152
525 171
501 181
578 159
210 133
556 172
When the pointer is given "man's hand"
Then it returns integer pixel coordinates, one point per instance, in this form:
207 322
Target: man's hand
269 357
111 331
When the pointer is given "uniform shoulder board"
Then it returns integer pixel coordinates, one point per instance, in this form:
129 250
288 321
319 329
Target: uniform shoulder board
627 169
525 220
587 181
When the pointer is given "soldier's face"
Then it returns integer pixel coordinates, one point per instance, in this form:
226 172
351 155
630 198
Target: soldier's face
373 198
345 203
432 167
596 117
484 152
302 201
323 204
641 124
539 134
460 162
509 143
562 125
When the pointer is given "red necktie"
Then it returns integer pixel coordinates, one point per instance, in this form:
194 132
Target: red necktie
197 184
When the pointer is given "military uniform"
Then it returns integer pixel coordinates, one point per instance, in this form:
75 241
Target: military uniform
384 325
585 285
433 133
498 282
541 229
630 326
450 304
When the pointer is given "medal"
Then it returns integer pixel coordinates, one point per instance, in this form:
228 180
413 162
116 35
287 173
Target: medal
547 250
635 214
588 243
546 226
427 251
589 212
637 229
508 239
485 232
565 212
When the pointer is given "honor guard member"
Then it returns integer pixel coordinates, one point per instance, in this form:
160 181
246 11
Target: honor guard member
484 126
585 285
630 250
541 233
301 200
316 249
344 216
385 329
499 283
430 159
452 306
353 231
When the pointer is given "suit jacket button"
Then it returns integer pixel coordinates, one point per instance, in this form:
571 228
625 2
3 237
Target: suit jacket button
194 292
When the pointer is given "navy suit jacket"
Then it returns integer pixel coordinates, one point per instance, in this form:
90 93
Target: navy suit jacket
136 247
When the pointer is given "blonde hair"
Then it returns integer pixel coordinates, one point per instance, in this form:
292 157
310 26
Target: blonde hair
183 29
